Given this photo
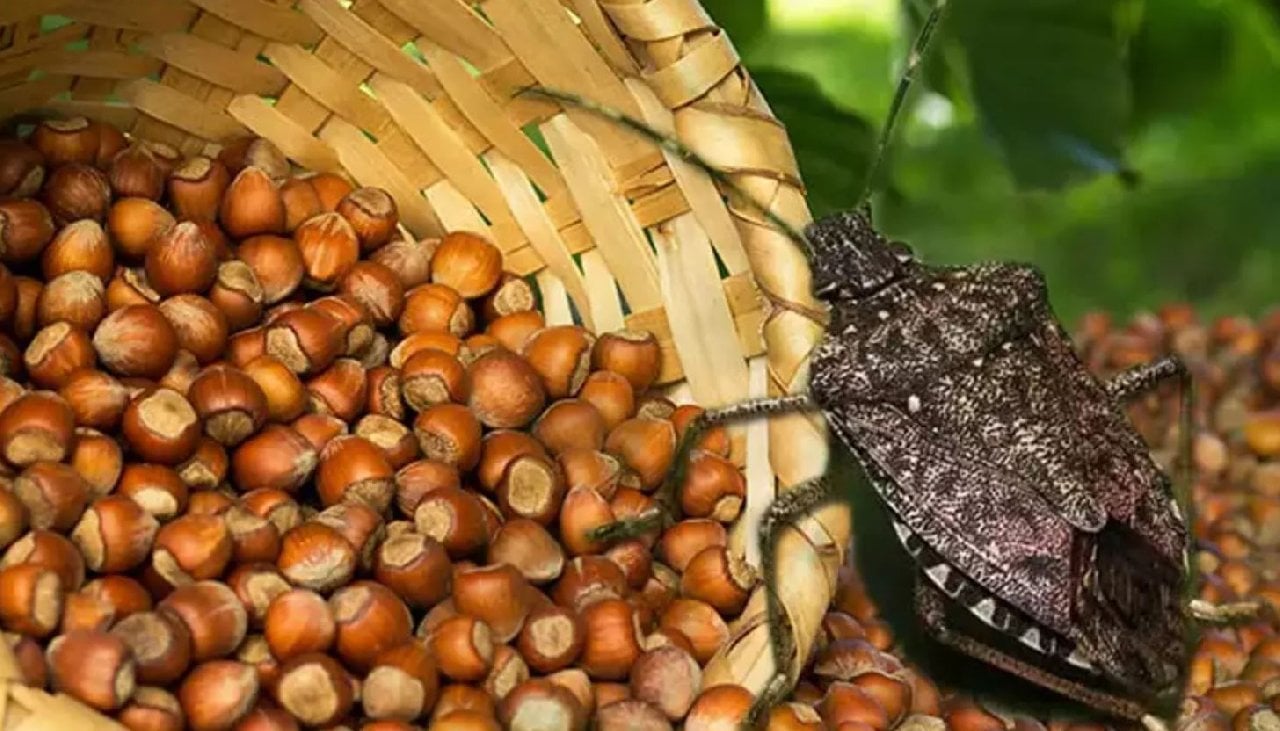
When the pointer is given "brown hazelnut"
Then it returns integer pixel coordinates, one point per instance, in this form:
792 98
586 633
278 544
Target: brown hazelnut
505 390
370 619
305 339
417 479
718 578
200 326
455 518
158 489
353 468
329 249
51 551
320 429
36 427
82 246
136 340
612 639
237 294
570 424
435 308
699 623
407 347
77 298
230 403
286 396
409 259
28 290
551 639
529 548
161 426
713 488
128 286
57 352
315 689
13 518
611 394
135 172
397 442
75 191
686 539
531 487
297 622
159 643
631 354
213 614
668 678
468 263
584 510
62 141
92 667
181 261
196 188
449 433
115 534
513 330
402 684
463 647
136 224
277 457
645 445
562 357
719 706
431 377
26 228
215 695
31 600
513 294
340 390
192 548
376 287
316 556
497 595
21 169
152 709
252 205
416 567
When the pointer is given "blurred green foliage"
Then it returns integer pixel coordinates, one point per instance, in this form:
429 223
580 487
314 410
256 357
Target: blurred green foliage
1130 148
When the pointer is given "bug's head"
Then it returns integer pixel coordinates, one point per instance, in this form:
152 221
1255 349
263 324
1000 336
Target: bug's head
851 259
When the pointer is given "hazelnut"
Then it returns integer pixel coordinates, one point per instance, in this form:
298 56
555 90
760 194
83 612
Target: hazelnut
611 394
397 442
551 639
570 424
13 518
277 457
93 667
467 263
449 433
136 341
276 263
455 518
213 614
686 539
416 479
513 294
315 689
631 715
75 191
115 534
591 469
316 556
300 202
31 600
285 394
254 582
511 331
298 622
152 709
463 648
158 489
26 228
161 426
275 506
329 249
252 205
196 188
192 548
51 551
159 643
57 352
431 377
376 287
645 445
63 141
562 357
36 427
136 224
340 390
359 524
435 308
699 623
237 294
583 511
215 695
508 671
353 468
21 169
28 290
77 298
409 259
612 639
230 403
181 261
529 548
668 678
713 488
719 706
532 488
372 214
415 567
200 326
370 619
82 246
128 286
497 595
505 391
402 684
443 341
631 354
304 339
135 172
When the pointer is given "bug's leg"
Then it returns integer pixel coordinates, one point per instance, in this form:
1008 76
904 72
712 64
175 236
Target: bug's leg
668 494
789 506
1230 613
931 608
1140 379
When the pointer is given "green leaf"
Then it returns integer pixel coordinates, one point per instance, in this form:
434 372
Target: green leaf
1180 56
745 20
833 146
1050 82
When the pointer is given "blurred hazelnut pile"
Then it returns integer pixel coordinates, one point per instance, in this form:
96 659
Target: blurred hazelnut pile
268 462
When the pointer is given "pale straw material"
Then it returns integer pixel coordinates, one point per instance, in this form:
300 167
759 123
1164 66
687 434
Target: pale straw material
615 231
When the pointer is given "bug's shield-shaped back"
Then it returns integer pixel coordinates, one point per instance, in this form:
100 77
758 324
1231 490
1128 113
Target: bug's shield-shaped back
1017 484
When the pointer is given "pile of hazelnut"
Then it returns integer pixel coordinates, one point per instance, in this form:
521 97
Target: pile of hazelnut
269 462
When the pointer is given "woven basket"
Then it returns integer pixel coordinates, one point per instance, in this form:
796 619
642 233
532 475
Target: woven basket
421 97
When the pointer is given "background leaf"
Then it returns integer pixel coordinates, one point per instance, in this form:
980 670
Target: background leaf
1050 82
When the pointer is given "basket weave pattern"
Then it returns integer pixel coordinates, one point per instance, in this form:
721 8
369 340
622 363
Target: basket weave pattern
421 97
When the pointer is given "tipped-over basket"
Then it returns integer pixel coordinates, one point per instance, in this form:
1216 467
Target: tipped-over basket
422 98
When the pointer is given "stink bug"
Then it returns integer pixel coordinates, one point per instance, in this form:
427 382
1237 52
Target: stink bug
1046 540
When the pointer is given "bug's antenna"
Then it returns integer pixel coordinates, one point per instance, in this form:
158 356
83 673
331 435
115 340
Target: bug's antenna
675 147
915 58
